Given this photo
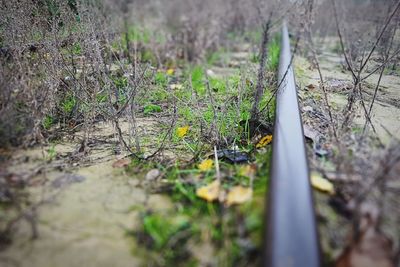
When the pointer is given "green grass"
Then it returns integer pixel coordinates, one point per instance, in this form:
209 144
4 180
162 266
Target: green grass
198 82
217 85
76 49
254 36
143 36
216 57
336 48
101 98
191 218
254 58
162 229
51 153
121 82
137 34
47 122
68 104
187 114
274 49
146 55
151 108
161 79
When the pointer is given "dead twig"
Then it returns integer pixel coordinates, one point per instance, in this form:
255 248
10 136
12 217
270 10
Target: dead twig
260 78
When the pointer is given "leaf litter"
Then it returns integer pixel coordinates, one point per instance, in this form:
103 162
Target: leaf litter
233 195
239 195
209 192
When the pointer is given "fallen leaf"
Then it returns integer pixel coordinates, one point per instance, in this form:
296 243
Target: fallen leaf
176 86
206 165
209 192
182 131
248 170
311 86
234 156
170 71
321 184
239 195
264 141
121 163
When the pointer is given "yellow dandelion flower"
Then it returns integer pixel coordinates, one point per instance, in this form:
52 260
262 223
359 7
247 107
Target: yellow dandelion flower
170 71
182 131
206 165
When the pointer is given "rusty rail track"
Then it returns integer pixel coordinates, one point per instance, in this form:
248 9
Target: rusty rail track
291 237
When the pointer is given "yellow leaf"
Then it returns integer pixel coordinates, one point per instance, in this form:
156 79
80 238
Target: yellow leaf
264 141
321 184
209 192
206 165
248 170
170 71
239 195
182 131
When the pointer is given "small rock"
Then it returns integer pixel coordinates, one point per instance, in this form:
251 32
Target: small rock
153 175
310 133
210 73
320 151
114 67
308 108
311 86
121 163
67 179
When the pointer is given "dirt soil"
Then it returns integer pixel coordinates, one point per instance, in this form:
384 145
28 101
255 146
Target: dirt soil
386 110
86 205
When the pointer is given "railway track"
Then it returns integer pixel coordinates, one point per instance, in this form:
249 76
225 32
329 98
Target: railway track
291 237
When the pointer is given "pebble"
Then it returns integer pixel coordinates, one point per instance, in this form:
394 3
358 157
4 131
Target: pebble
153 174
67 179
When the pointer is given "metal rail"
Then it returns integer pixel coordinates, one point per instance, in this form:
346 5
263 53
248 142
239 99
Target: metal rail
291 234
